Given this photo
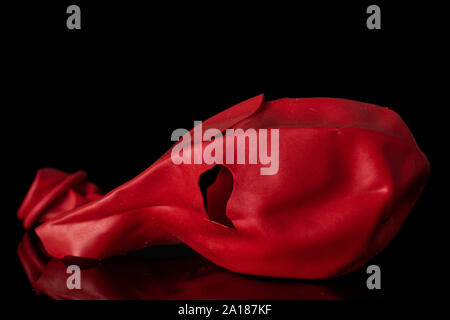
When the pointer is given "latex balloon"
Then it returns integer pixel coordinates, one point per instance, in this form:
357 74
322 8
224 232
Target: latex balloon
349 173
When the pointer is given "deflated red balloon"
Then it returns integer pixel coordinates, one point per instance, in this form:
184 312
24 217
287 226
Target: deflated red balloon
349 173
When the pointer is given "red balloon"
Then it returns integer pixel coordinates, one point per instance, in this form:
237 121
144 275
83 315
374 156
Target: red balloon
349 174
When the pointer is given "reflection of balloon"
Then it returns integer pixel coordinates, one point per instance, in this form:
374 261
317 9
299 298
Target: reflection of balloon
33 258
131 277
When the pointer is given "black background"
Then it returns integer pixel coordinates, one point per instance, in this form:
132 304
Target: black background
106 98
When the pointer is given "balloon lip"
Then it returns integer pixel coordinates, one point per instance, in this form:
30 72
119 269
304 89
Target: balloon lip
32 215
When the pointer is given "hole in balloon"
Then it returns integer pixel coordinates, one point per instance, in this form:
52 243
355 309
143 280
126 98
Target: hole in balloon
216 186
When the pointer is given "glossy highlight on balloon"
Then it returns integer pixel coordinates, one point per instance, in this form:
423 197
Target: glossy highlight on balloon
349 174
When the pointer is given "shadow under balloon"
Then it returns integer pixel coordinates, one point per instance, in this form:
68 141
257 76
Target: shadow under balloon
170 273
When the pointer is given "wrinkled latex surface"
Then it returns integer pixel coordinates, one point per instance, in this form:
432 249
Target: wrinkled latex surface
349 174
